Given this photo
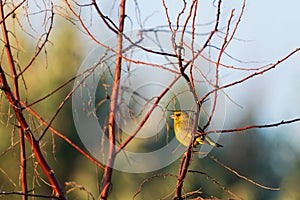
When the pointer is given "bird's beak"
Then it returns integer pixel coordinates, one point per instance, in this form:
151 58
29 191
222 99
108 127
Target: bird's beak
172 116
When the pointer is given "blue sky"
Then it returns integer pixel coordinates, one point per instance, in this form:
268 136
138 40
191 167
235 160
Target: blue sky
269 29
268 32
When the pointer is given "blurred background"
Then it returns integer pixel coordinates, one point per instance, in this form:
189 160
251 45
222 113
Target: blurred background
267 33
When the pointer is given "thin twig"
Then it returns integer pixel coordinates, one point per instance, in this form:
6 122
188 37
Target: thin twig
62 136
28 195
251 75
217 183
15 104
241 176
282 122
149 179
106 183
17 98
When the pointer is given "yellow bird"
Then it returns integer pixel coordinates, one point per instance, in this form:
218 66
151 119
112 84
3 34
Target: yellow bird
183 127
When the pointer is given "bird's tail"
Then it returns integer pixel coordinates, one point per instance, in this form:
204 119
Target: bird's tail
204 139
209 141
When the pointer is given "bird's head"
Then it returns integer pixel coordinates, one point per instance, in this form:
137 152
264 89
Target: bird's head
179 116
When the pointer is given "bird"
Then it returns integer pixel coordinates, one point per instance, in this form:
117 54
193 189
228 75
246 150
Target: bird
183 127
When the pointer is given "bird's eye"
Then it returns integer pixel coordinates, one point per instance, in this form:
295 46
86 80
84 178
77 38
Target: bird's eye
178 115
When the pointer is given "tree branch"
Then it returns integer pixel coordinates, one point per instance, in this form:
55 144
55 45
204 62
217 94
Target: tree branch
113 104
17 97
15 104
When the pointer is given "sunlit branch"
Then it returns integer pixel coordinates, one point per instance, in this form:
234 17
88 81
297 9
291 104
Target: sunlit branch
16 96
62 136
251 75
241 176
283 122
215 181
15 104
106 183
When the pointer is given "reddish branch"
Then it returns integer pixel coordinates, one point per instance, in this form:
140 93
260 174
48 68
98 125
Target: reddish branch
29 195
17 97
167 15
12 12
283 122
192 43
250 76
143 121
113 104
215 181
81 21
241 176
40 47
210 36
185 162
15 104
24 130
62 136
149 179
222 50
183 171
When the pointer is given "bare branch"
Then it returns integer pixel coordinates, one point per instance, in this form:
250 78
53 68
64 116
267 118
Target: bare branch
241 176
